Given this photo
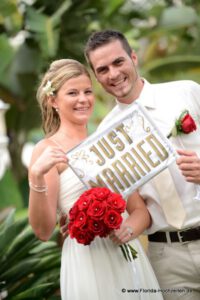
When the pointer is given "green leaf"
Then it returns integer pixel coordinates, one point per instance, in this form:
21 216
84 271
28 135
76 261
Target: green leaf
133 251
46 32
7 53
167 61
7 7
112 7
43 247
56 17
49 40
33 293
21 245
9 220
8 234
174 131
48 262
35 20
9 196
20 269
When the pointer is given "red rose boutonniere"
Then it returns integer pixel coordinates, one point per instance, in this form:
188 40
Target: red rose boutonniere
184 124
96 213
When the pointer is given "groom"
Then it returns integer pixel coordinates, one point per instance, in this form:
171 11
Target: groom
173 249
174 235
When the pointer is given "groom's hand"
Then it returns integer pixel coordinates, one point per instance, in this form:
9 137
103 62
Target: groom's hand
189 164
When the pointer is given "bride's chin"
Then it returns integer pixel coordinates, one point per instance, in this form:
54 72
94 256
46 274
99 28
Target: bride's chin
83 122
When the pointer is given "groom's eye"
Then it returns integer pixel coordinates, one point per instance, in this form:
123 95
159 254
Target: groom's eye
102 70
119 61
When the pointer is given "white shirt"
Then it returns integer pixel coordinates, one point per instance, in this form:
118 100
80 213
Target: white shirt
165 102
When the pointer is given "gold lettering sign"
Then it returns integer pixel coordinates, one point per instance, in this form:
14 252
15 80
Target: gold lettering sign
125 155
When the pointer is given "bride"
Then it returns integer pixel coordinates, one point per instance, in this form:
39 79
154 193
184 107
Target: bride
97 271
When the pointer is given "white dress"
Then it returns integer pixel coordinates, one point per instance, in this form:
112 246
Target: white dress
100 271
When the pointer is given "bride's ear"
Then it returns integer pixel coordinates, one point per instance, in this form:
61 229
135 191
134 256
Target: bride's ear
52 102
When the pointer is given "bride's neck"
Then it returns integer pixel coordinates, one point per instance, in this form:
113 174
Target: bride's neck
75 132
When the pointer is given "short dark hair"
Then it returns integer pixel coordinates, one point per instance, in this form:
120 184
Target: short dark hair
100 38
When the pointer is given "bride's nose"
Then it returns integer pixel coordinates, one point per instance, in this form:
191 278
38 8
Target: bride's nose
82 97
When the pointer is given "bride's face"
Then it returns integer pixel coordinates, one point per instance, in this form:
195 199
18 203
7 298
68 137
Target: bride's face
75 100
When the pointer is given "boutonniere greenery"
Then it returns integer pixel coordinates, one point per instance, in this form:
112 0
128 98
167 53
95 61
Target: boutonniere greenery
184 124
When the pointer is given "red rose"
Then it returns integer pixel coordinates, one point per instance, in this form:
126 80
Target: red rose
117 202
97 209
113 219
81 219
184 124
187 123
73 213
101 193
96 226
83 202
83 236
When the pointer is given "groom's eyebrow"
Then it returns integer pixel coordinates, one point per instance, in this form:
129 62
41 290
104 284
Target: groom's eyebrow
101 69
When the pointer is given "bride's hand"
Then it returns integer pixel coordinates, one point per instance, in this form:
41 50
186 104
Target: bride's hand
122 235
50 157
63 222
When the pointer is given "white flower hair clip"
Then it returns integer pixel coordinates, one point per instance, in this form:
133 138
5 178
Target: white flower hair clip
48 89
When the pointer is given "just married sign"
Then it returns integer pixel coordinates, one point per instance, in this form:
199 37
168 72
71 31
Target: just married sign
128 153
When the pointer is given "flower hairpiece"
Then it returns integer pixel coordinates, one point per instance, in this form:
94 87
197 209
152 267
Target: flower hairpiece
184 124
48 89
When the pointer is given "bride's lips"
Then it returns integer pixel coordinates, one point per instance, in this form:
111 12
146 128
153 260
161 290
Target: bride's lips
82 108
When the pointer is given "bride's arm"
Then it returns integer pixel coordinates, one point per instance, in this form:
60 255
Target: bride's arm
44 189
138 220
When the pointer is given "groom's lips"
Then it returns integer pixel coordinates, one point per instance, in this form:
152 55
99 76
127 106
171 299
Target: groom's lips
119 82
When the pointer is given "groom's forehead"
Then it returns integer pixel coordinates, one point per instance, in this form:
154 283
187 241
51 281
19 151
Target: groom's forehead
106 54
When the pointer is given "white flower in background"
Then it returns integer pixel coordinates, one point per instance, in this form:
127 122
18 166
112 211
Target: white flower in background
27 153
4 155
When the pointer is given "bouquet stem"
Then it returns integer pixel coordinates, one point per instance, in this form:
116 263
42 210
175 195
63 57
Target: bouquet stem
129 252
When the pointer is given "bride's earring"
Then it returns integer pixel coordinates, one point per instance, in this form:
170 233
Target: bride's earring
57 110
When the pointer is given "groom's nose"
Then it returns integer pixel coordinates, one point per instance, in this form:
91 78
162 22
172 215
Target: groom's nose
113 72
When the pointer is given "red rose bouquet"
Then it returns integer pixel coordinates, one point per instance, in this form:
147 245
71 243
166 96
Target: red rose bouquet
96 213
184 124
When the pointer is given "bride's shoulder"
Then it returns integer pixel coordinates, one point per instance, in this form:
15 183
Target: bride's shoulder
42 145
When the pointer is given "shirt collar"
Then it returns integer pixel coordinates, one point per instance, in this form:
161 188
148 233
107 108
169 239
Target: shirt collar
146 97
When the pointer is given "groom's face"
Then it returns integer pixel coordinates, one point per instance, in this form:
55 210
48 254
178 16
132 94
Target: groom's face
115 70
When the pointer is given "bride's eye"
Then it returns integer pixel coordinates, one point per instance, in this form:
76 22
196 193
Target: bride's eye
72 93
88 92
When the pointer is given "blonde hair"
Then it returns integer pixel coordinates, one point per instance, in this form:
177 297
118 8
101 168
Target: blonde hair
58 73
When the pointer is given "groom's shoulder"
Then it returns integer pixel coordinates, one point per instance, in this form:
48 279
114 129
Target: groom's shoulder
174 85
109 117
